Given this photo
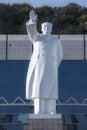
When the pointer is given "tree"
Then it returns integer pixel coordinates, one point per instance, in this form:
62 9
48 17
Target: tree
66 20
13 18
83 23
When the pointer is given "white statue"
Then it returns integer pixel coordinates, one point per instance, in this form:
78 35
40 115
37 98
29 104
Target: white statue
42 76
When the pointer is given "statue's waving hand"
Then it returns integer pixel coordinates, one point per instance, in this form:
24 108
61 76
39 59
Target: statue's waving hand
33 16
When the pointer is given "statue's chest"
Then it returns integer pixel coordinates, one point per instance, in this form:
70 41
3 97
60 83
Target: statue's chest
46 41
45 44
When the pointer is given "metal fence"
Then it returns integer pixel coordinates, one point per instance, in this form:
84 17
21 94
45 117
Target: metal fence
19 47
71 121
71 101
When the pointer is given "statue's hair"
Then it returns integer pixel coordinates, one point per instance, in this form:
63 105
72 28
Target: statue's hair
46 23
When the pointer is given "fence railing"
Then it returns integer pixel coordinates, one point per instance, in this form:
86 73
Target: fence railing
19 101
71 120
19 47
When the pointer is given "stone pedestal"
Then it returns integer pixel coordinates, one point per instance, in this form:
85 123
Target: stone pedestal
44 122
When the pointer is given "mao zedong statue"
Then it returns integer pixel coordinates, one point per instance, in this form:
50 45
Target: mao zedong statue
42 75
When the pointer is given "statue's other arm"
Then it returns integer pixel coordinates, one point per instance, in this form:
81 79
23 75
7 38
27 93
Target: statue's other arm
60 52
31 26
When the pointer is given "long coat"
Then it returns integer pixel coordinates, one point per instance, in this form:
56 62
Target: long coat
42 75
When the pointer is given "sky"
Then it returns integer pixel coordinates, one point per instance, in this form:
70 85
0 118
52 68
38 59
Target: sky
52 3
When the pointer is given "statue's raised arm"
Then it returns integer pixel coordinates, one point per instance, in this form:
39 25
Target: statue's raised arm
31 26
33 16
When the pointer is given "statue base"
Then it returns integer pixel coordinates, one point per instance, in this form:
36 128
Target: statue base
44 122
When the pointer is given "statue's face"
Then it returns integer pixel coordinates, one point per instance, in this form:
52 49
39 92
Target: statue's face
46 28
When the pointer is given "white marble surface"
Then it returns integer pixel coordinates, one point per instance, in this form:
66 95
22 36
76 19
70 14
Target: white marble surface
24 118
42 74
45 116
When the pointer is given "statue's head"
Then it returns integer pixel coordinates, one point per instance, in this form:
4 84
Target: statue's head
46 27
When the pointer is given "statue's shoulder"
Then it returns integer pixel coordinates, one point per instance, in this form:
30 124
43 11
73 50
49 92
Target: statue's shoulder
52 37
55 37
